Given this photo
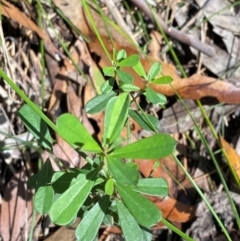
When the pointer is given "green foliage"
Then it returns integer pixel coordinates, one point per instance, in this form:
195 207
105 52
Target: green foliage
115 117
88 227
36 126
129 225
108 189
152 186
44 192
154 71
144 211
146 121
125 173
154 97
72 130
66 207
98 103
147 148
129 61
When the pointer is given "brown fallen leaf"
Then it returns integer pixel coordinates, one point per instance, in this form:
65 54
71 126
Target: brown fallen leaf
64 233
16 209
74 103
233 157
174 210
64 152
10 11
195 87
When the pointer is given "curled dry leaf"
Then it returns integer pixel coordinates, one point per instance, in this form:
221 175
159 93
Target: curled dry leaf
10 11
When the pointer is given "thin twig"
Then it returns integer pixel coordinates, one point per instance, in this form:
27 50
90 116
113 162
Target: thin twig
174 33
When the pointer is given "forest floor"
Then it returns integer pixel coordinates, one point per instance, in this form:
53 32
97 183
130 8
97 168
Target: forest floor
50 49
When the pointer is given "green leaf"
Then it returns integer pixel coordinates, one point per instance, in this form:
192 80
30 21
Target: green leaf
129 226
98 103
66 207
115 117
147 233
125 173
109 71
72 130
154 97
32 180
156 146
129 87
108 220
107 86
122 54
163 80
152 186
143 122
129 61
43 198
154 71
109 187
36 126
89 225
144 211
140 70
61 181
124 77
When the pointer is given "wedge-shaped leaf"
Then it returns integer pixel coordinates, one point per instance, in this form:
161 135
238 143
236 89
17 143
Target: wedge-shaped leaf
122 54
98 103
129 61
115 117
147 233
43 198
89 226
129 226
152 186
144 122
109 71
140 70
125 173
36 126
32 180
66 207
154 71
108 220
154 97
72 130
144 211
156 146
109 187
124 77
61 181
163 80
107 86
129 87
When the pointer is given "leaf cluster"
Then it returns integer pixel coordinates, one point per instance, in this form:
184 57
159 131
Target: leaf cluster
109 189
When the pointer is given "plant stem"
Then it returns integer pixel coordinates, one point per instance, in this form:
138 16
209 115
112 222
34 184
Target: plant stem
176 230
